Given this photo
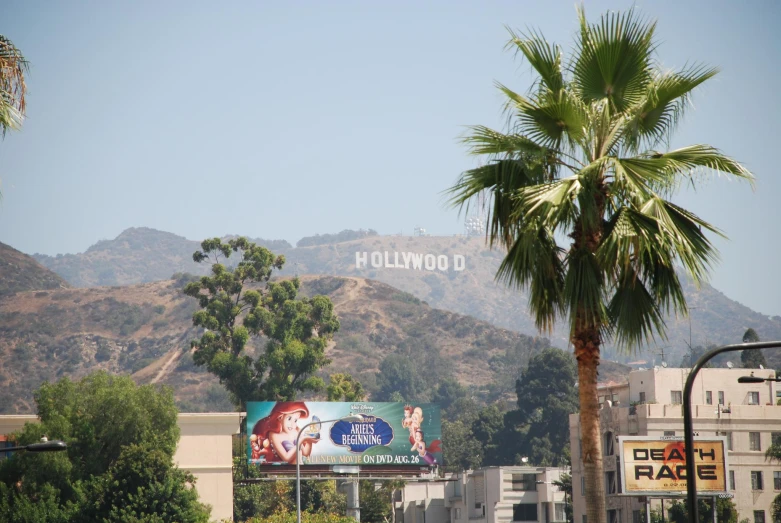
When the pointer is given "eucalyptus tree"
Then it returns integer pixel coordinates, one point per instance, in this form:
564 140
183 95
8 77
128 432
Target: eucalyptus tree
578 194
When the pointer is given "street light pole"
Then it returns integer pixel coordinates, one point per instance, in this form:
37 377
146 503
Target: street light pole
349 417
688 434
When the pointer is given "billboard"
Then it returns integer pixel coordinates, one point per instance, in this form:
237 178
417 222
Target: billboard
653 466
388 434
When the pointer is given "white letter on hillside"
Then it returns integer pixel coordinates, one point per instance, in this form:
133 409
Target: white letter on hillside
417 261
376 259
396 261
388 264
442 262
459 262
431 262
407 257
360 259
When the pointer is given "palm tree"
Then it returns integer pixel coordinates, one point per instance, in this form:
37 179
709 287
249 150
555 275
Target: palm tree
13 89
580 165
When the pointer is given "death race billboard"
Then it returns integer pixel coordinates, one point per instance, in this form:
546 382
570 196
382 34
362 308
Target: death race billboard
653 466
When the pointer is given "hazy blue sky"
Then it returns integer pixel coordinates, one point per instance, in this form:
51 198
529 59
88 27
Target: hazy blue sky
286 119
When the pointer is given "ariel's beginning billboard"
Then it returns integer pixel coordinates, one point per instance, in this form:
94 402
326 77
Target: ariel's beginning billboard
356 433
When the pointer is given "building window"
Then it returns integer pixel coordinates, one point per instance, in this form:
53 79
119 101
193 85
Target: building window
759 516
709 397
525 512
754 441
728 436
458 513
642 397
584 519
559 512
610 482
775 438
582 485
753 398
732 480
676 397
609 444
524 481
756 480
721 397
776 480
637 516
669 433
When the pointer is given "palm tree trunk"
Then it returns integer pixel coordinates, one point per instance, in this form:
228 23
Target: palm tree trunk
586 343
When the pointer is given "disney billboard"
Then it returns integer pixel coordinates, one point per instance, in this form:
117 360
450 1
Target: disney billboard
384 433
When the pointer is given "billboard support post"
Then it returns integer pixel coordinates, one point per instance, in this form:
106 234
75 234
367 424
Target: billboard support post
348 418
688 434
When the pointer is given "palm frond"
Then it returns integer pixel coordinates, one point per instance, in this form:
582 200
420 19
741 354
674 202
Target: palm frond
484 140
613 59
553 203
501 179
584 291
664 171
549 119
544 57
683 232
13 88
654 119
634 314
534 259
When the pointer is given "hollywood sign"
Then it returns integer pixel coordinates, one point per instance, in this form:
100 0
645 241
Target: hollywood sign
409 260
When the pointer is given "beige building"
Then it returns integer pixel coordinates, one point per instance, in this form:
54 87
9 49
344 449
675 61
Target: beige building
205 449
649 402
487 495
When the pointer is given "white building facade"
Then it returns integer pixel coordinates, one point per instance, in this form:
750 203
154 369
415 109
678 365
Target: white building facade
649 403
487 495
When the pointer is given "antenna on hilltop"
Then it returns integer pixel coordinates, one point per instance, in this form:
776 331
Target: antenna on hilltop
730 365
419 231
474 225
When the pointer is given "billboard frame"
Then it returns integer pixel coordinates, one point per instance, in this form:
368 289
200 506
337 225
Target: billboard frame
671 493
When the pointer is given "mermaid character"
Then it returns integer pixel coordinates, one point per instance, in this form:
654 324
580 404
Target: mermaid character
423 451
280 430
416 418
407 416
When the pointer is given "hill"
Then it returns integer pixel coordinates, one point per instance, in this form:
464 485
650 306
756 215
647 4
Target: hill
19 273
137 255
715 319
144 330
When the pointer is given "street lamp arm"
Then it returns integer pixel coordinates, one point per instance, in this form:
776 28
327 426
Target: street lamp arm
688 434
46 446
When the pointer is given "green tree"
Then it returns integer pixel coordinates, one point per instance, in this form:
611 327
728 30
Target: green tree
343 387
726 512
546 396
119 463
565 485
447 393
773 453
580 161
398 374
460 448
237 303
751 359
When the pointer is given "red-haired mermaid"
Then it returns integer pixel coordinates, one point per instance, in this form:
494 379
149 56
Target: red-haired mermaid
278 432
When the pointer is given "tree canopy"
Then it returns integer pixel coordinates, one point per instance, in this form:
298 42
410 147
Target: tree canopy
241 302
119 463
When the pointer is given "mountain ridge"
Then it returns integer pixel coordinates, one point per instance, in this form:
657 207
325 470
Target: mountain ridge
715 319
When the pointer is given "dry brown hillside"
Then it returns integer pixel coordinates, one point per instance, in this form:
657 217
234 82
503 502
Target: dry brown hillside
144 330
19 272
